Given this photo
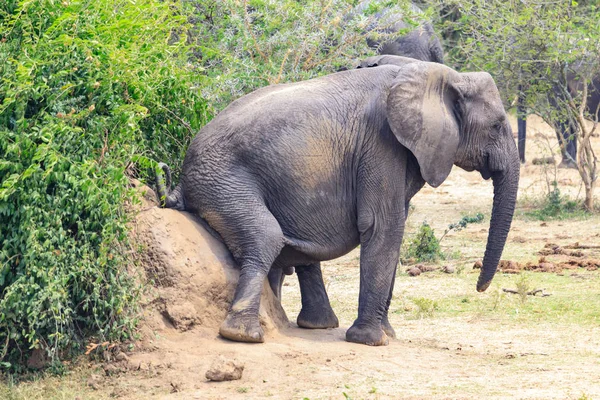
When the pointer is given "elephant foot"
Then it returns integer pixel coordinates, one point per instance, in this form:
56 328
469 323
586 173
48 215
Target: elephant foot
321 318
366 334
387 328
242 329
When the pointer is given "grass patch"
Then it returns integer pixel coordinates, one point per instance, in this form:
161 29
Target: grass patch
574 300
556 206
45 386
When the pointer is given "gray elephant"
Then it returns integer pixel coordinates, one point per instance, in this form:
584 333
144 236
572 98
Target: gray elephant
565 129
421 43
298 173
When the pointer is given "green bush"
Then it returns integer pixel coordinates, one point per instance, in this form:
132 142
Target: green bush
556 206
87 87
245 45
423 246
425 307
91 93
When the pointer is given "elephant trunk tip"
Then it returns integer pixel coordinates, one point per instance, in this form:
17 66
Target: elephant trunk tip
482 286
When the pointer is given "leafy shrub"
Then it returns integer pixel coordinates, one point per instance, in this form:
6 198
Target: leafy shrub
423 246
523 288
464 221
87 87
425 307
556 206
244 45
93 92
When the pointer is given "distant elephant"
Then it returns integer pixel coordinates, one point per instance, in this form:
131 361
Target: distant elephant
565 130
421 43
295 174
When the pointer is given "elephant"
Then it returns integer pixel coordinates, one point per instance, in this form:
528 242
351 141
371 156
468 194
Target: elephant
295 174
565 129
421 43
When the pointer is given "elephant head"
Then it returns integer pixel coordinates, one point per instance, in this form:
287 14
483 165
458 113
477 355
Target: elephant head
448 118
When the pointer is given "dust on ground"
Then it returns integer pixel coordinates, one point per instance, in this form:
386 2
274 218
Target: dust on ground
431 358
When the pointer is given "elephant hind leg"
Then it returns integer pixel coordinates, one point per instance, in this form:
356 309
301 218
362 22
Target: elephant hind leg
255 239
276 277
316 312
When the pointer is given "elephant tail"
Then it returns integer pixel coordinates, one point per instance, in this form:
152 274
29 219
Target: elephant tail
166 197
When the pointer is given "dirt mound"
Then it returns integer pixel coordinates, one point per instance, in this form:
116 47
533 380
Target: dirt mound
192 273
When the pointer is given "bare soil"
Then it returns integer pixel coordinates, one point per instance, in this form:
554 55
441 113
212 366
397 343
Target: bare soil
432 358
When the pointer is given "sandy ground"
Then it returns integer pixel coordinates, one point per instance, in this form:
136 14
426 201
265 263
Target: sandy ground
435 358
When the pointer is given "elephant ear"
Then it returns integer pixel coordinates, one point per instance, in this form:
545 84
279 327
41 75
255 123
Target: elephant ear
423 109
369 62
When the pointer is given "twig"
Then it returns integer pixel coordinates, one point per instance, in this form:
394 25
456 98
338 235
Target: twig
276 81
105 147
530 293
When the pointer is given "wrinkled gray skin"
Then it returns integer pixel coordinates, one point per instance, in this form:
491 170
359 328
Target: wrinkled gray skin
299 173
420 44
565 130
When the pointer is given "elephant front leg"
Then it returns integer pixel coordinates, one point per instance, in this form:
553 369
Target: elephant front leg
316 310
378 261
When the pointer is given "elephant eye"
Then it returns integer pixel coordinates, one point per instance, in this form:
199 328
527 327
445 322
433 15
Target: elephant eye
497 128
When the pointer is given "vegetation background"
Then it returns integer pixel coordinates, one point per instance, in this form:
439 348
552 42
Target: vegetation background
94 92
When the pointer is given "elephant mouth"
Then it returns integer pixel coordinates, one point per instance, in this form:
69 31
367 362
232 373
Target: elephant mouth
485 170
485 173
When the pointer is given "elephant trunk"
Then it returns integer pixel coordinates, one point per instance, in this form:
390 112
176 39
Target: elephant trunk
506 184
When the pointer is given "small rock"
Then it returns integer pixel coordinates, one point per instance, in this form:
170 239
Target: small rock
121 357
478 264
223 369
110 369
181 315
449 269
414 271
94 382
543 161
426 268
